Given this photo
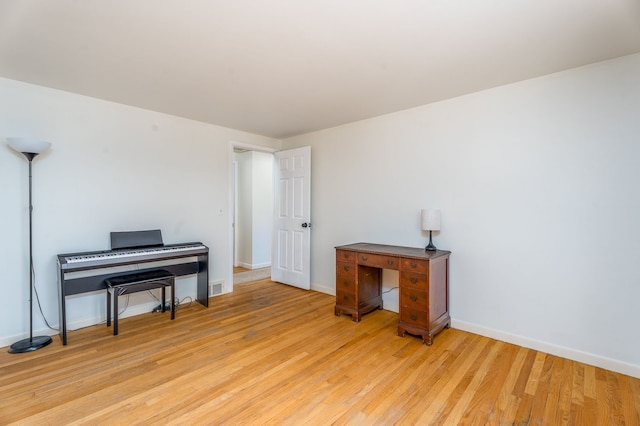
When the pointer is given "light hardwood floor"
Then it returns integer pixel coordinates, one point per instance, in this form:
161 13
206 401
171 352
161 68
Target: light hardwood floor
273 354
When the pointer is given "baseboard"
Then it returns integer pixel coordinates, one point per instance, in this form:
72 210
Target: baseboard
253 265
558 350
323 289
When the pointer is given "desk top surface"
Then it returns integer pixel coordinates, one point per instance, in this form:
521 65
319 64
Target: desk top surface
417 253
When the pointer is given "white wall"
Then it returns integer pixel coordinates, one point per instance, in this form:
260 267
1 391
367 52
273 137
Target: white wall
111 167
538 183
254 209
244 197
262 209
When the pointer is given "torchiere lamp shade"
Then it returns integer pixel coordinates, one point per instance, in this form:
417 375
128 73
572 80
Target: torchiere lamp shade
29 145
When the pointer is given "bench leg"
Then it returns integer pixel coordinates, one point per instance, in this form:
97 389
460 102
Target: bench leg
173 300
116 296
108 308
164 295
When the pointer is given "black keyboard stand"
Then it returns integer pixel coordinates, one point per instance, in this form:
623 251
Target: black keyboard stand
182 263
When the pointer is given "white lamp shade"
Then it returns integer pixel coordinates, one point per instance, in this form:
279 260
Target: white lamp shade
430 219
33 146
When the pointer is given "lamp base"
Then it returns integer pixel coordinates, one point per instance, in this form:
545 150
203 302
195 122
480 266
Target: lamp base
29 344
430 247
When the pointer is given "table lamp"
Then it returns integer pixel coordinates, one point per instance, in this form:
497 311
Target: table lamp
430 219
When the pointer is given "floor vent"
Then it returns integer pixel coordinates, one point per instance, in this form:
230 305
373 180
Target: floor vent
215 288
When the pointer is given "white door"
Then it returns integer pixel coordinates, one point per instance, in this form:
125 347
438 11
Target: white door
291 252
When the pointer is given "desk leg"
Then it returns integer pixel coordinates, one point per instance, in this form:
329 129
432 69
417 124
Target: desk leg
427 338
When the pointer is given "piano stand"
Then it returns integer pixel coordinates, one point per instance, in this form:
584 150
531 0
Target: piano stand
80 273
119 285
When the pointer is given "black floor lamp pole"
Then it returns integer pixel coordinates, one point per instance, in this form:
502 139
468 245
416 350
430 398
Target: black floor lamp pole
32 343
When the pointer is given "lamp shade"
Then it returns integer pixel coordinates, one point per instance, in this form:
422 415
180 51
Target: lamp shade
28 145
430 219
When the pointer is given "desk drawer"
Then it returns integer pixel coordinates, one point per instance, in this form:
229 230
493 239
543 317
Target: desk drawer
345 256
415 299
414 317
343 268
414 265
346 299
378 261
414 280
346 282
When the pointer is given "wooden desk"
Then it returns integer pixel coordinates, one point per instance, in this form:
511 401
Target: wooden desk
424 285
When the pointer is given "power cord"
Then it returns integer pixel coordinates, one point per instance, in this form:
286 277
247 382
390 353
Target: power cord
35 290
181 302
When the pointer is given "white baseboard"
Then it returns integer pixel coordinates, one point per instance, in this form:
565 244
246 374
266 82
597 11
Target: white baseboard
550 348
323 289
253 265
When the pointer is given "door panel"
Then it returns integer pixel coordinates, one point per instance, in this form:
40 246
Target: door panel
292 247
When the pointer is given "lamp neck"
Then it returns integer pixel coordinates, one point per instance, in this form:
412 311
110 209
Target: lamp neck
30 155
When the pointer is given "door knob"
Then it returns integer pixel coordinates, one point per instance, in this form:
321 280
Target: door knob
306 225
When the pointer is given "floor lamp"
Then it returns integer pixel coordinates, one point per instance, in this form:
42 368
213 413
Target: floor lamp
29 148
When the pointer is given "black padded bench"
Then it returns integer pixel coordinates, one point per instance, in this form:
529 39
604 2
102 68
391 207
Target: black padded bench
134 282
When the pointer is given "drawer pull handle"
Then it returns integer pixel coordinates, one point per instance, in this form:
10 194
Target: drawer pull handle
413 280
346 283
346 268
345 298
413 297
413 265
413 317
364 258
390 261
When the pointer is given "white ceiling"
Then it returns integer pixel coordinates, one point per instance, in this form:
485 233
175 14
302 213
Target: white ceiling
285 67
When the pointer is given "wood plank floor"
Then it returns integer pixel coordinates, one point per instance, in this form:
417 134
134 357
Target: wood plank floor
273 354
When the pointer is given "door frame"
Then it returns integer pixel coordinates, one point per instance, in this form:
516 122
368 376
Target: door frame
232 207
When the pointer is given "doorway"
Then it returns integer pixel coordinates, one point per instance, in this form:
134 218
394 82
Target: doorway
287 225
252 213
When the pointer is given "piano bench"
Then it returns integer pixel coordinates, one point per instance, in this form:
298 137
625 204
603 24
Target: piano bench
133 282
